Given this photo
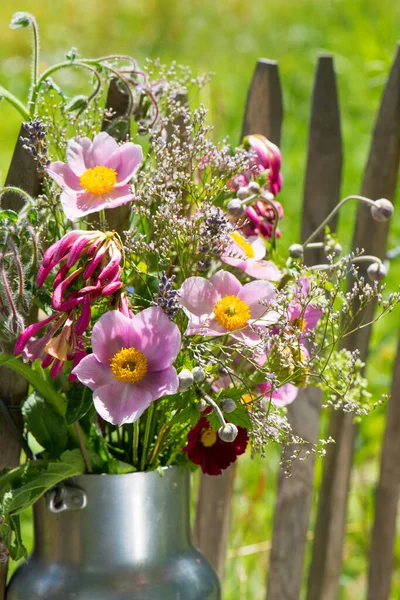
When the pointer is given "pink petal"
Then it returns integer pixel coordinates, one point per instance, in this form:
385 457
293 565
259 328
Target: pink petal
226 284
111 288
29 332
84 203
157 337
110 268
262 269
258 246
83 322
64 176
112 332
126 160
93 373
284 395
159 383
311 316
198 296
120 403
77 151
101 149
254 292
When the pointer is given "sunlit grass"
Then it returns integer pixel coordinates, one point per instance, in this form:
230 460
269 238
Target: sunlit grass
227 37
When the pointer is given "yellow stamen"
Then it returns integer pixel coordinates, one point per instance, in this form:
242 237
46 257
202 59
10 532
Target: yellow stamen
231 312
244 244
99 180
300 324
247 399
129 365
208 437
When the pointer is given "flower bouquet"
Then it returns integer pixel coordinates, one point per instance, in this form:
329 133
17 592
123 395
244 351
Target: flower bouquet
177 335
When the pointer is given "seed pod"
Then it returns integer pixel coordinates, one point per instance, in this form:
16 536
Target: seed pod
377 271
228 405
382 210
199 374
235 207
228 433
201 406
296 251
243 193
185 380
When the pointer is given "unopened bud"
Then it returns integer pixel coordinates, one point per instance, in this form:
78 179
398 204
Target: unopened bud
185 380
243 193
228 405
235 207
377 271
201 405
254 187
20 19
335 249
296 251
382 210
228 433
199 374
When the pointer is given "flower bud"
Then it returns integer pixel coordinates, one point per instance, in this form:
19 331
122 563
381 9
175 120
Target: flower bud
228 433
185 380
235 207
243 193
377 271
296 251
334 249
201 405
199 374
254 187
19 20
228 405
382 210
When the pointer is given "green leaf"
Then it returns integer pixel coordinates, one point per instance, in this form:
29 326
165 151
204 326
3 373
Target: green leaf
9 215
37 378
80 401
45 424
37 478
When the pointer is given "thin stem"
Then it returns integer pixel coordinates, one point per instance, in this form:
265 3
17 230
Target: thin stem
135 448
150 411
208 399
358 259
333 213
17 104
82 446
35 55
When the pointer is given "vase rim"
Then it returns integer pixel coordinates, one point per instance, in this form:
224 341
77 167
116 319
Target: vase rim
165 470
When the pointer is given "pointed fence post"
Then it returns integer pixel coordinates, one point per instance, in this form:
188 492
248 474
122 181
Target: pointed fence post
321 194
263 114
380 180
387 499
13 387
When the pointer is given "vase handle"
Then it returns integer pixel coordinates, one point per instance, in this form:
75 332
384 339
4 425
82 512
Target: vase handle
66 497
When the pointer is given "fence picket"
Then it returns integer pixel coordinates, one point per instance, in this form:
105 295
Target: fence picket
13 387
380 180
321 194
263 114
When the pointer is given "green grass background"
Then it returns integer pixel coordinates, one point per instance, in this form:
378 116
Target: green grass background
226 37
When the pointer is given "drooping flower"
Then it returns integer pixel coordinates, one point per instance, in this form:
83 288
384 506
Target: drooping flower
267 156
131 363
206 449
223 305
247 254
282 396
261 219
97 174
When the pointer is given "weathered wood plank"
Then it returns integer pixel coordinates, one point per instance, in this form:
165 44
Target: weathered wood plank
119 127
379 181
381 559
321 194
263 114
13 387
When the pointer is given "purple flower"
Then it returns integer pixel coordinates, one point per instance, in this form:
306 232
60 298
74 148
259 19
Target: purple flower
131 364
97 174
247 254
223 305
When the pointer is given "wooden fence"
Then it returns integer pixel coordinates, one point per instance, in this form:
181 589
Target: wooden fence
286 573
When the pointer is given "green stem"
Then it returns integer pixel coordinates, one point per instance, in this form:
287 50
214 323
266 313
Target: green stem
17 104
150 411
135 448
35 55
82 446
16 190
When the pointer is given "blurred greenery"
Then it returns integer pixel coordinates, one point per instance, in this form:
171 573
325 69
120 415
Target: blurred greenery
227 37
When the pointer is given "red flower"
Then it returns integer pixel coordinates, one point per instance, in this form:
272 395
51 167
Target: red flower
206 449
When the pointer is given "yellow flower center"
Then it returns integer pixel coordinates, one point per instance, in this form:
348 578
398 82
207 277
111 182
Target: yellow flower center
231 312
300 324
208 437
245 245
247 399
129 365
99 180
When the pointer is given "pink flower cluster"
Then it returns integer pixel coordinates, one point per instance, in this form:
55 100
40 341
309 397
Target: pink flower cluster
74 288
261 218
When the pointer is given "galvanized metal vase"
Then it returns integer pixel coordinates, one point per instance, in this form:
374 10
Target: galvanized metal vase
116 537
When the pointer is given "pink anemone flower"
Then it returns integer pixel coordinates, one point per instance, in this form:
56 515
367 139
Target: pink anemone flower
223 305
247 254
282 396
303 316
131 364
97 174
